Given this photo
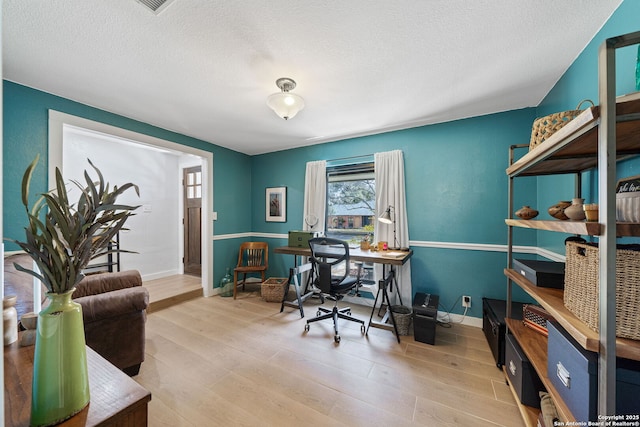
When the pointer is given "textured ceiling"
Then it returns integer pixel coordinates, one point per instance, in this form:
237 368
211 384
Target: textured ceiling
205 68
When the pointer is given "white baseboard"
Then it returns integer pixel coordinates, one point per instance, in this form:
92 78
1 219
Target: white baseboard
476 322
460 319
159 275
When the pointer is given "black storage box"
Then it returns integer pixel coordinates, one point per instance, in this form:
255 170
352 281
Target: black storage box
573 371
521 373
545 274
494 327
425 317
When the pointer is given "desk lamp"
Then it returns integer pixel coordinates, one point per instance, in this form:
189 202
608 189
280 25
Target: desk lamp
385 218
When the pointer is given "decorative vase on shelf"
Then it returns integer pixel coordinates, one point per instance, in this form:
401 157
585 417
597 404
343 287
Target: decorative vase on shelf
10 319
591 212
226 285
557 210
526 212
575 212
60 377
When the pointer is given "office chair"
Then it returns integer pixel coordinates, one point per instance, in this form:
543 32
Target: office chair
330 259
253 258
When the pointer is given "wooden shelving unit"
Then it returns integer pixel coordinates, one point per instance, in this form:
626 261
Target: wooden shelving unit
574 148
552 301
590 141
623 229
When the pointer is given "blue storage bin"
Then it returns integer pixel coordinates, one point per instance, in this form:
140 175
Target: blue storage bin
573 371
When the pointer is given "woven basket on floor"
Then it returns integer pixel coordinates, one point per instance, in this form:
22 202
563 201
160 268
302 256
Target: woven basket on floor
273 289
546 126
402 316
581 291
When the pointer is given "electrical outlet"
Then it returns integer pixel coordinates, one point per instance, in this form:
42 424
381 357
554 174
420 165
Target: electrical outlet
466 301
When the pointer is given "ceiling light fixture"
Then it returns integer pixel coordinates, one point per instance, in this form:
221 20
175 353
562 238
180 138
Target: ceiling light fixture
285 103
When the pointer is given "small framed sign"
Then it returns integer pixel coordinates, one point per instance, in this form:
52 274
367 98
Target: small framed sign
628 185
276 204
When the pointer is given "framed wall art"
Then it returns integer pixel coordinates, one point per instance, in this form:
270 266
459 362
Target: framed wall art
276 204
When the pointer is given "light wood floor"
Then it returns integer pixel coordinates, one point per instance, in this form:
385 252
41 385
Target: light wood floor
172 290
218 361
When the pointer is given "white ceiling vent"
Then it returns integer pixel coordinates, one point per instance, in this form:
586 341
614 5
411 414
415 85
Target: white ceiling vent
156 6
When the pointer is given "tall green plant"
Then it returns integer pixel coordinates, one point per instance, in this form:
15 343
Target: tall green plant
63 239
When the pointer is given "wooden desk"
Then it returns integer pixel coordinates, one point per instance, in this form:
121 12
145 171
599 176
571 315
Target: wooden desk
115 399
378 257
389 258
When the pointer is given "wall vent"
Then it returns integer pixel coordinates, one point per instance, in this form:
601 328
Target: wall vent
156 6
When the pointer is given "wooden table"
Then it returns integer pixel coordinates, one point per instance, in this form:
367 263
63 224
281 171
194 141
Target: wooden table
115 399
389 258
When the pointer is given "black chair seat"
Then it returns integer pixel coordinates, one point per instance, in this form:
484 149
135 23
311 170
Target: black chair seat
344 286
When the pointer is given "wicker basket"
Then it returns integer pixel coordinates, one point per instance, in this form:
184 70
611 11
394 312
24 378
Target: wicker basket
546 126
273 289
402 316
581 292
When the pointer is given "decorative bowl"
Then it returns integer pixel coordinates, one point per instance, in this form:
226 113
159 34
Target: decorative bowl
526 212
557 210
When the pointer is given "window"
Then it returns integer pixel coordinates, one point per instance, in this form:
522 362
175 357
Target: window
351 207
351 198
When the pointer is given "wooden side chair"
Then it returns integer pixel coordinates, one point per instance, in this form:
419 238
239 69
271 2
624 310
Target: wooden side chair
253 258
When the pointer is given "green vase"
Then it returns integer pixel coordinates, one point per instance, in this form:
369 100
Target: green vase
60 378
226 285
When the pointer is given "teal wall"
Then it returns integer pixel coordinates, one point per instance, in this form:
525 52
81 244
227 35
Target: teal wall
580 82
456 192
26 134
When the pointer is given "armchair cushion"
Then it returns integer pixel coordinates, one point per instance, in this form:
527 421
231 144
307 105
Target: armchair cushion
112 304
95 284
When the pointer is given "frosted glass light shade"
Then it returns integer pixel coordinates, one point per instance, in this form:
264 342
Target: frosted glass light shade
285 104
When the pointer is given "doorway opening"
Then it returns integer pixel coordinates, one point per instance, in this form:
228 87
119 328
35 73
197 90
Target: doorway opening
155 165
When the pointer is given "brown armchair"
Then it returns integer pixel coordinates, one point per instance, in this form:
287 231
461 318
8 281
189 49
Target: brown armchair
113 308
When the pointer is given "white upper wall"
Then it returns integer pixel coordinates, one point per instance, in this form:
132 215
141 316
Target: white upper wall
155 231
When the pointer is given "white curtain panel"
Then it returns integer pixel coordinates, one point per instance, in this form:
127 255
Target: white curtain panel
390 191
315 196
